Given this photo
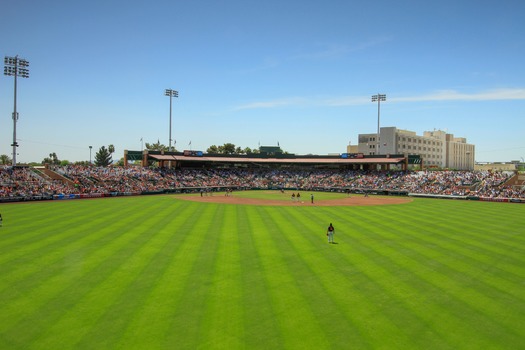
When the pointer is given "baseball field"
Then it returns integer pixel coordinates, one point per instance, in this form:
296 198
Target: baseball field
255 271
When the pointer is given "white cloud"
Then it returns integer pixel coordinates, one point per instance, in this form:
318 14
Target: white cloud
451 95
334 51
340 101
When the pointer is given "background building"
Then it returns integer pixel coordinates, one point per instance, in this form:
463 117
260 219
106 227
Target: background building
352 149
436 148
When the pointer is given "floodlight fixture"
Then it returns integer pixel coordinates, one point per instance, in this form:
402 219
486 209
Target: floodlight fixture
378 98
15 67
171 93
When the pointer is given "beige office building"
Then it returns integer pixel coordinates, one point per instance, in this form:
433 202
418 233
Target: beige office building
436 148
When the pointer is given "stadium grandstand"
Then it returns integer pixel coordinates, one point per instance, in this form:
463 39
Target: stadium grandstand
194 171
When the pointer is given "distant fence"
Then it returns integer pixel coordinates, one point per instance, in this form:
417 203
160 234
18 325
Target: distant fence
472 198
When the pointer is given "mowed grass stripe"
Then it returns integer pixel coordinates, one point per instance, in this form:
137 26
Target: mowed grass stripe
475 249
121 295
433 218
333 286
467 220
477 282
363 228
100 306
383 281
438 291
469 262
192 307
295 319
151 275
50 268
313 277
377 281
393 287
28 219
261 328
63 224
62 246
56 292
33 312
165 316
222 328
443 280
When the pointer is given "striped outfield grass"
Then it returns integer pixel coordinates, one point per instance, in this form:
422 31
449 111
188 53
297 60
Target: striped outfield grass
156 272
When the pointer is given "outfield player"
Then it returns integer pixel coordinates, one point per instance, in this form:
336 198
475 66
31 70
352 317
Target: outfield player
330 233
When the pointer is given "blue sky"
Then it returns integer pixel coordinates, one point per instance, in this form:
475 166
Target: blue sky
297 73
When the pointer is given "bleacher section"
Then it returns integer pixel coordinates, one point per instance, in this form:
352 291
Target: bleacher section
83 181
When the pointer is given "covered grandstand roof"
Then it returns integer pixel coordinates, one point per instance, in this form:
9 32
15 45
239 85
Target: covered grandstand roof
313 160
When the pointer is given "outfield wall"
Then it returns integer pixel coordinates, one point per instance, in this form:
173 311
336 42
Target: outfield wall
472 198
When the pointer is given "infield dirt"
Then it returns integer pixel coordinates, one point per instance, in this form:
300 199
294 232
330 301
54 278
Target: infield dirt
348 201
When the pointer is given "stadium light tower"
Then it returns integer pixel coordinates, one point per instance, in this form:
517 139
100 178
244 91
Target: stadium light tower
171 93
378 98
16 67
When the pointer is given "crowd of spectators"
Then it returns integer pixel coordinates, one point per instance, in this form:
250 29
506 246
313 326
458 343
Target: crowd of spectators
78 179
20 182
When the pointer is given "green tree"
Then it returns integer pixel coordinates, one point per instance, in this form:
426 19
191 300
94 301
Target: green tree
4 159
228 148
52 159
212 149
156 146
103 157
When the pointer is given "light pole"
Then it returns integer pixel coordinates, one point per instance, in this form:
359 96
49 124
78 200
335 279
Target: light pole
171 93
378 98
90 147
16 67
